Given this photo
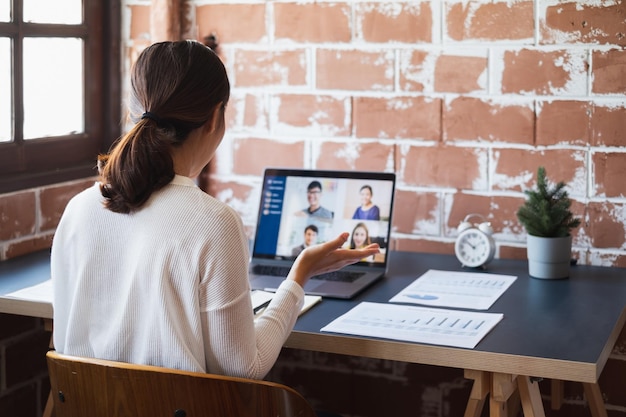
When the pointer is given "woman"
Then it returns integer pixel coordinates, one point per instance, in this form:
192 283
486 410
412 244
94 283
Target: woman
360 236
149 269
361 239
367 210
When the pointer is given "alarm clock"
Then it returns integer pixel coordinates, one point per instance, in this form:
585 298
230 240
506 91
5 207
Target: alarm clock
474 246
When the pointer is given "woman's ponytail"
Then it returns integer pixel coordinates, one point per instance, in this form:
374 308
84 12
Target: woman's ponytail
139 164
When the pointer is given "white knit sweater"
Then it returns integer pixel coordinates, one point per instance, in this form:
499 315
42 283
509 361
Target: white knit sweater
166 286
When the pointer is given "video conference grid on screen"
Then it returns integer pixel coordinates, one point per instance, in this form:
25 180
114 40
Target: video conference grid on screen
298 211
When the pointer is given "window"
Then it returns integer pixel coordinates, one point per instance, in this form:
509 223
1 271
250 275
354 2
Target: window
59 88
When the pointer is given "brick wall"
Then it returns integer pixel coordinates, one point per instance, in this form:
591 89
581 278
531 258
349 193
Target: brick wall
462 99
30 217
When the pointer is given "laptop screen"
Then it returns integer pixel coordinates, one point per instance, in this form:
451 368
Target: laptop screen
303 207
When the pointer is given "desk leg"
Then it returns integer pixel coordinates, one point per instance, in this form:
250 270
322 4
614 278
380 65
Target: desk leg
530 397
595 400
480 390
502 387
48 411
507 391
556 394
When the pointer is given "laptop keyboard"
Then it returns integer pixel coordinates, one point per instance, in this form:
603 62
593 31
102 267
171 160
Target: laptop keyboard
282 271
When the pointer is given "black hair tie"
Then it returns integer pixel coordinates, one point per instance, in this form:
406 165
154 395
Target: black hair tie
151 116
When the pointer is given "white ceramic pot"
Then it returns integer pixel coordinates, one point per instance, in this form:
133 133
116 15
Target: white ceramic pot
549 257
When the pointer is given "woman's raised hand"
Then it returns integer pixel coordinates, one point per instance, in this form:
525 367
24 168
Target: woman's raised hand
327 257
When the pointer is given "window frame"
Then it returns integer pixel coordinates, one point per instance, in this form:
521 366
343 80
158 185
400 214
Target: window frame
38 162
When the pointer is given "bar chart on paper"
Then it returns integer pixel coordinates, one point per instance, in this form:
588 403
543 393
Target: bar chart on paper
455 289
415 324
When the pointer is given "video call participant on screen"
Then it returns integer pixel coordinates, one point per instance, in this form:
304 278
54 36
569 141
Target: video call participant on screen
367 210
361 238
315 209
310 238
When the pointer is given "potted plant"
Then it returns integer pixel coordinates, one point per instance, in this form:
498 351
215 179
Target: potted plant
548 220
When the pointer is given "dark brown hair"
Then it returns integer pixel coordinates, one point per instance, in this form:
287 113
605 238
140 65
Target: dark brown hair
174 88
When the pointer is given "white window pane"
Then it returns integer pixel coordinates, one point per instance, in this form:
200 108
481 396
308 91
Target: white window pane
69 12
5 90
53 87
5 11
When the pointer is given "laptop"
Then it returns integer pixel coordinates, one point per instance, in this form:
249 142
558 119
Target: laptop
299 207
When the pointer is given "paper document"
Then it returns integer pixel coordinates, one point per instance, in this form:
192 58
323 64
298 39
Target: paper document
415 324
472 290
39 292
261 299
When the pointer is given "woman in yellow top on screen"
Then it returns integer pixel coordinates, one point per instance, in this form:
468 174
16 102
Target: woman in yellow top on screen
367 210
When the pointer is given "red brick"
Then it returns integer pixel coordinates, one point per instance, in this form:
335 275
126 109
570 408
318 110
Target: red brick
355 70
18 216
560 72
270 68
413 74
609 72
417 213
313 115
499 20
252 156
53 200
247 111
356 155
139 22
460 74
29 245
576 22
312 22
225 20
424 246
467 118
608 259
511 252
444 166
500 211
407 22
397 117
608 124
563 122
609 172
605 225
516 169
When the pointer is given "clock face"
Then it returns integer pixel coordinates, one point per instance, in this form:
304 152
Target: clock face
474 248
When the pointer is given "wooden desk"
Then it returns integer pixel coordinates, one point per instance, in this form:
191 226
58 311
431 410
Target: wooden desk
558 329
22 272
562 329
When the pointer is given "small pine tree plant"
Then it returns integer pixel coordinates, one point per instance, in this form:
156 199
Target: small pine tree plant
546 212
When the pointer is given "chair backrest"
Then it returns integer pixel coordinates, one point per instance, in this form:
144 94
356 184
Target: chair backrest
86 387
